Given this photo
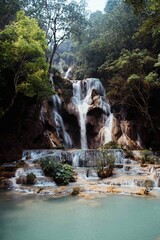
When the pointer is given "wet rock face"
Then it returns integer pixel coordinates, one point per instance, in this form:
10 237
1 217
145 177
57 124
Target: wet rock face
85 119
95 122
158 182
72 127
5 183
125 134
24 130
116 130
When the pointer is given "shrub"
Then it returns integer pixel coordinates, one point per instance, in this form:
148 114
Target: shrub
31 178
60 172
111 145
147 157
148 184
63 173
48 165
105 164
129 154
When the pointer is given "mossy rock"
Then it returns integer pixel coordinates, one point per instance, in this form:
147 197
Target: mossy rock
31 177
75 191
21 180
105 173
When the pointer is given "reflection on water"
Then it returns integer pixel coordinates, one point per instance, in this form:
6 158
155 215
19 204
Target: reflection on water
109 218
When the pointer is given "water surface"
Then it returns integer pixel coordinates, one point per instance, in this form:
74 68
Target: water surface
109 218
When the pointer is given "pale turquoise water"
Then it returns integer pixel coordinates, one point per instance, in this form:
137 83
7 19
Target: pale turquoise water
109 218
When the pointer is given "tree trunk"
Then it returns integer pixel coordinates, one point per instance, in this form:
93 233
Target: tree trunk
51 59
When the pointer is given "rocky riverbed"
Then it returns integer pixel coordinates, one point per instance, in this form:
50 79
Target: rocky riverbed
130 177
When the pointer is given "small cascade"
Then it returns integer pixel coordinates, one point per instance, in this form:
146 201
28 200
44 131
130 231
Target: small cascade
75 157
139 141
60 128
89 94
127 172
69 73
108 129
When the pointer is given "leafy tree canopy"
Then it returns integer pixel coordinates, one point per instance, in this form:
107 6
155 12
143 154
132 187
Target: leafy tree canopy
133 80
107 35
8 10
60 19
23 66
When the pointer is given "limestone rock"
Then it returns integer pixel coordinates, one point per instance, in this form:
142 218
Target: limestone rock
5 183
21 180
107 172
126 141
125 134
158 182
140 192
7 174
116 130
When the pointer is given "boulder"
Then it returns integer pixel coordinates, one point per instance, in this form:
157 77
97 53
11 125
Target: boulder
7 174
5 183
158 182
21 180
75 191
106 172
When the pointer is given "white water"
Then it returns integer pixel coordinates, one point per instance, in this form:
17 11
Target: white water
126 172
83 101
69 73
60 128
82 107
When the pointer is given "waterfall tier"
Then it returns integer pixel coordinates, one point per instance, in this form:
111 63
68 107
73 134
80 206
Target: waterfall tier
59 124
127 173
93 112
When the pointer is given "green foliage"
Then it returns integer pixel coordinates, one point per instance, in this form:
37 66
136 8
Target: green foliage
110 145
139 5
60 19
30 179
111 5
149 184
132 73
148 33
106 36
128 154
105 164
23 67
61 173
147 157
8 10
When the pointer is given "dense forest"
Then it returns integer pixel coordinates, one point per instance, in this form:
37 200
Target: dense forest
40 40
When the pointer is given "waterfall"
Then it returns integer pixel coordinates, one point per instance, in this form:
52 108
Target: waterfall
60 128
82 105
69 73
89 94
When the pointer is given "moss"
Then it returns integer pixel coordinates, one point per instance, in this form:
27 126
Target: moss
31 178
75 191
65 86
111 145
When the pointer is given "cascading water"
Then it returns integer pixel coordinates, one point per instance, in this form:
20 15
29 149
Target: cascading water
84 99
60 128
82 107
